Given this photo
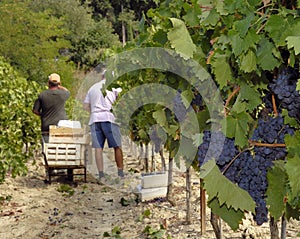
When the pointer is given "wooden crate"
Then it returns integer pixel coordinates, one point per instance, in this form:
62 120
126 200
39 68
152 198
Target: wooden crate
64 154
68 135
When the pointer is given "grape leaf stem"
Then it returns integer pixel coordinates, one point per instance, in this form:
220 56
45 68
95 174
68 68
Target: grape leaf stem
274 105
259 144
233 93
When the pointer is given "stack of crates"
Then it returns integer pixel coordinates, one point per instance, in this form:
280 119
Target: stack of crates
66 149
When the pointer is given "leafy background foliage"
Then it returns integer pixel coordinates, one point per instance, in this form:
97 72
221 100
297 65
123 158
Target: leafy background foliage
18 124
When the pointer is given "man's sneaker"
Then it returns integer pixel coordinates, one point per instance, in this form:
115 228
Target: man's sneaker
120 173
101 175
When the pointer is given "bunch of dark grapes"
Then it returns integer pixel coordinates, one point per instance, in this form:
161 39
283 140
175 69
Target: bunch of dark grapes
178 107
247 172
271 131
220 145
284 87
250 173
249 169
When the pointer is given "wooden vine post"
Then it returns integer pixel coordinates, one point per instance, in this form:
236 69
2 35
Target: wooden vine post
274 228
188 195
170 182
202 208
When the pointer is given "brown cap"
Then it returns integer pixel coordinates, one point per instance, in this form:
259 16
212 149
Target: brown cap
55 78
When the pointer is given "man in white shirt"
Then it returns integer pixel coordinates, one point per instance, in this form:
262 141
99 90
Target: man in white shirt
102 123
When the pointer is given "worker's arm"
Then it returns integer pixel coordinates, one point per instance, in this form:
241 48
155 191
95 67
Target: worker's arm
36 112
62 88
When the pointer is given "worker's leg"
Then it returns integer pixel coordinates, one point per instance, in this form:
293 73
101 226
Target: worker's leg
99 161
98 139
113 137
119 160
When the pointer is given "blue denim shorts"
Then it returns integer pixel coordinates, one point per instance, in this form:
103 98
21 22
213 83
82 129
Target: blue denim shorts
102 131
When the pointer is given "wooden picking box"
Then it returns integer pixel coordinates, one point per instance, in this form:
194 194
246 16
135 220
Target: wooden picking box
64 154
66 149
68 135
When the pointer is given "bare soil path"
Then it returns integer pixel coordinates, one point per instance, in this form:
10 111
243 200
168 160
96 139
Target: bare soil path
31 209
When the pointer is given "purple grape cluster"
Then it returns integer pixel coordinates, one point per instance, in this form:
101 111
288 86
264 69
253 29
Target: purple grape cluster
284 88
250 173
222 146
249 169
197 101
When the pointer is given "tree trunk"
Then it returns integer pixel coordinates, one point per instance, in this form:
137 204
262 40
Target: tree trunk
153 165
202 209
214 219
141 156
163 161
274 229
147 157
170 182
283 227
188 195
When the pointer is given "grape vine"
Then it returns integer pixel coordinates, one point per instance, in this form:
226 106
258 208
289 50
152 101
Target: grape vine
251 51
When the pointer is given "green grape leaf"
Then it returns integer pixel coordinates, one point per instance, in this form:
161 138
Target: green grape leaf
187 97
236 126
180 39
197 139
265 58
243 25
187 150
160 117
210 18
292 144
250 95
203 116
298 85
241 45
192 14
217 185
239 105
172 131
277 179
251 40
280 27
160 36
292 212
289 120
248 62
293 170
221 70
232 217
236 43
294 42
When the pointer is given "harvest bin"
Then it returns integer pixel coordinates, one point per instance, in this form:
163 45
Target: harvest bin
66 149
153 185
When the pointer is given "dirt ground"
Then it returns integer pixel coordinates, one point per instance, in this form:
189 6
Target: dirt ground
33 209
